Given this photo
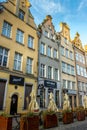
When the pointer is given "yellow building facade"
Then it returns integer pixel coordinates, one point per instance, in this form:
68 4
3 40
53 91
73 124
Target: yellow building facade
18 56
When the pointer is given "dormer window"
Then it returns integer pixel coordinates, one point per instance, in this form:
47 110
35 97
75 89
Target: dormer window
21 15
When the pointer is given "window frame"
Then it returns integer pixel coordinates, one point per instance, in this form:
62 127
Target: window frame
29 65
18 61
31 42
3 55
5 29
19 35
21 14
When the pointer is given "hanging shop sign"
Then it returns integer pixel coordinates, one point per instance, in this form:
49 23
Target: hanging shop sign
50 84
16 80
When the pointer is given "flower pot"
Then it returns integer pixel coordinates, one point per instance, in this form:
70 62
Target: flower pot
80 115
67 117
50 121
29 123
86 112
5 123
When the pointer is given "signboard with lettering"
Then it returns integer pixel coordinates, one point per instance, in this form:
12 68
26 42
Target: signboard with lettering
72 91
50 84
16 80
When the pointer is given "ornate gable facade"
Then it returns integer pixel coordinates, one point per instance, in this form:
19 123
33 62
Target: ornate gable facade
77 42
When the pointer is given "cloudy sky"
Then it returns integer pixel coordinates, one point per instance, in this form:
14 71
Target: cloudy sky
73 12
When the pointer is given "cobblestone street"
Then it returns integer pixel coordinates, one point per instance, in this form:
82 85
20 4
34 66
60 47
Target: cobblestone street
76 125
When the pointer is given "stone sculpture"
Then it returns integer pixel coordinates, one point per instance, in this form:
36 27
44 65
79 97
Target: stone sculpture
66 103
33 106
52 105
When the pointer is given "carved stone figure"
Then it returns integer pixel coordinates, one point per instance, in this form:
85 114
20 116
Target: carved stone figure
52 106
33 106
66 102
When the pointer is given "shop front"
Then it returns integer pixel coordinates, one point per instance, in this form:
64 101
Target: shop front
44 89
73 98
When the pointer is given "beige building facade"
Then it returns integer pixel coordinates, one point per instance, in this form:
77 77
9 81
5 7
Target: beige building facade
18 56
68 73
81 70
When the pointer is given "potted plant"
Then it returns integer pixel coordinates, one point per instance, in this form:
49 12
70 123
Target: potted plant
49 116
50 119
67 116
85 111
29 121
80 113
5 121
67 111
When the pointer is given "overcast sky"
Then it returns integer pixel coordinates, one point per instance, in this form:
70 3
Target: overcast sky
73 12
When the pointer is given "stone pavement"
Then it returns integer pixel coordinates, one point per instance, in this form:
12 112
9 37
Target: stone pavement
76 125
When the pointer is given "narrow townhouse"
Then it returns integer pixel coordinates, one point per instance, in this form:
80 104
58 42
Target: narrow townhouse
49 64
68 74
18 55
80 63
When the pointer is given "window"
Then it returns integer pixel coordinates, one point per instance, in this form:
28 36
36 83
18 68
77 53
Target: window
84 72
71 55
21 14
83 59
42 70
63 67
68 69
83 86
3 57
56 74
73 85
77 56
55 53
62 50
81 71
72 70
64 84
78 69
6 30
49 72
46 33
18 61
20 36
49 51
51 36
30 42
80 85
42 48
65 40
67 53
29 66
69 85
86 86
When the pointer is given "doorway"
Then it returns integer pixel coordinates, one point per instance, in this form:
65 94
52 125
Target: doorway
14 102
